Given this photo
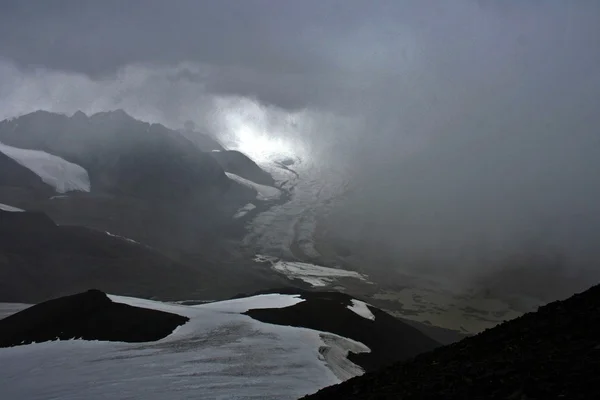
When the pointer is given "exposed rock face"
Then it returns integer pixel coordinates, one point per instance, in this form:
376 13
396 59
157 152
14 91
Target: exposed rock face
90 316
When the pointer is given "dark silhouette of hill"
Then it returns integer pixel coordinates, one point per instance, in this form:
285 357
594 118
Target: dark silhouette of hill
553 353
91 316
389 339
40 260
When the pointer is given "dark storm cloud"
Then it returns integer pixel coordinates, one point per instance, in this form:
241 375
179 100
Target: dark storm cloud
263 40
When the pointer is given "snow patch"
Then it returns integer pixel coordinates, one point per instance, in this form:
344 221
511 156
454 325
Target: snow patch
122 237
264 192
255 302
360 308
314 275
244 210
57 172
6 207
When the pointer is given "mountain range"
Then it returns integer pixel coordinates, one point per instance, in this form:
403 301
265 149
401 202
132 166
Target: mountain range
121 245
82 176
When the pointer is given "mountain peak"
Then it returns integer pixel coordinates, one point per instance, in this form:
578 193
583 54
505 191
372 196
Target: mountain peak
119 115
79 115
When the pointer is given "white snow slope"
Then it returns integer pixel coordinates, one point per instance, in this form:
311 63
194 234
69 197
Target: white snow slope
218 354
57 172
6 207
360 308
314 275
264 192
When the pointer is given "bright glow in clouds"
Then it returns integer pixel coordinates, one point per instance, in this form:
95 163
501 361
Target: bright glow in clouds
263 133
258 145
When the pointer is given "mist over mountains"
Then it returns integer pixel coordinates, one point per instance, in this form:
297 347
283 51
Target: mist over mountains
409 173
456 136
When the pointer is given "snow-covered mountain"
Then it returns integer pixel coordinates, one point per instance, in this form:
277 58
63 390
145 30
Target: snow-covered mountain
128 177
122 155
214 350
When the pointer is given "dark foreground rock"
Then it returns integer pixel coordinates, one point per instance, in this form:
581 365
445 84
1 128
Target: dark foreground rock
553 353
89 316
389 339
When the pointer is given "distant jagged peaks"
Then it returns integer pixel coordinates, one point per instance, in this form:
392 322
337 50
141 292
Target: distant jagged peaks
118 113
122 155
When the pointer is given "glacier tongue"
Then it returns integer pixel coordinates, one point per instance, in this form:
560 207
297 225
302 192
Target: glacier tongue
57 172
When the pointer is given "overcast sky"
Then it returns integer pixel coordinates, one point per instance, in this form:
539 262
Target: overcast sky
492 104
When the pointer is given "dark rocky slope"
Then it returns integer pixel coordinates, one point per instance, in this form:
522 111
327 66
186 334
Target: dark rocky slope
389 339
14 175
553 353
40 260
90 316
